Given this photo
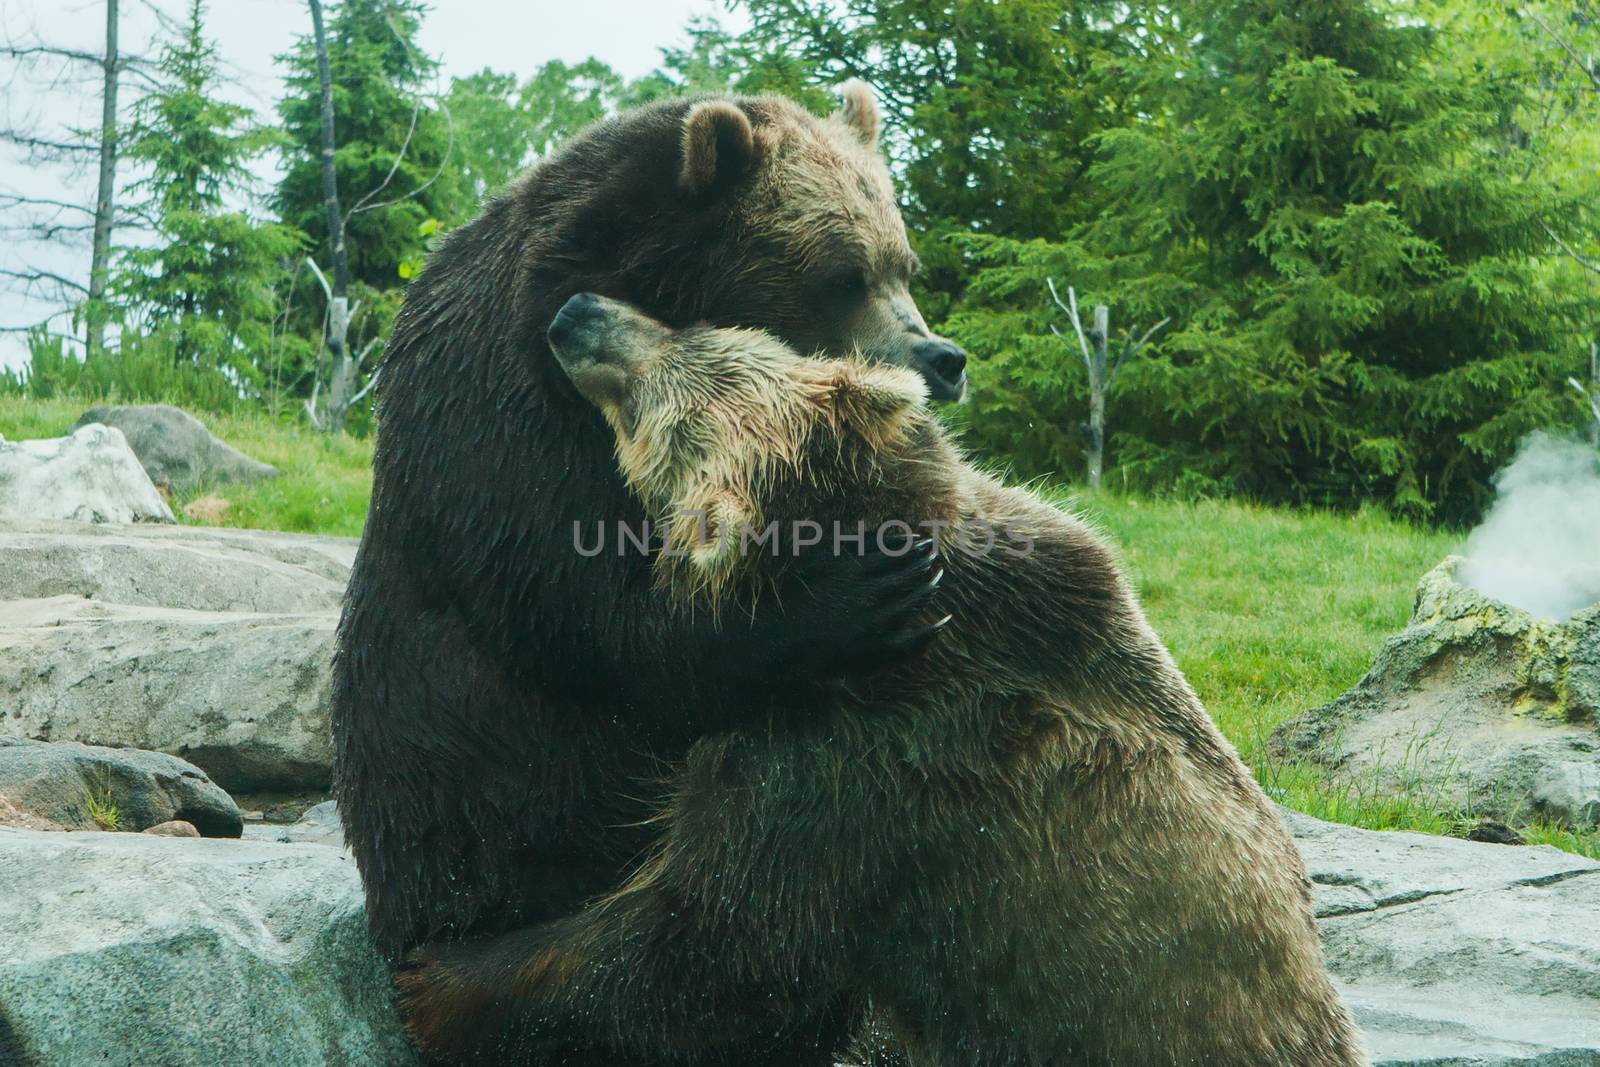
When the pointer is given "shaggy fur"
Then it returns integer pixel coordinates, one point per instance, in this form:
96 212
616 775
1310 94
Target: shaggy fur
1033 848
500 702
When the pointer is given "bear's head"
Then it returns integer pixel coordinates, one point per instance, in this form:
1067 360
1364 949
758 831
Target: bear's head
766 217
713 424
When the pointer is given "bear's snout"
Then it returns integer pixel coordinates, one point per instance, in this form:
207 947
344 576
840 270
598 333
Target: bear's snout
943 364
575 332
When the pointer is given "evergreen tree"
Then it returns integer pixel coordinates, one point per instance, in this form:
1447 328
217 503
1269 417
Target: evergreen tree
991 107
503 126
208 277
1360 265
393 150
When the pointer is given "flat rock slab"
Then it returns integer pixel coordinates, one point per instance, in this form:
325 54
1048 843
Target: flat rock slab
91 476
242 695
211 644
129 950
192 567
64 783
176 449
1453 953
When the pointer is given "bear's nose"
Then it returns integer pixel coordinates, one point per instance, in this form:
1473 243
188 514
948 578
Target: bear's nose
582 311
943 364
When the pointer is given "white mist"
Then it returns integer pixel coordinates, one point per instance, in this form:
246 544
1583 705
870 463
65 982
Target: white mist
1539 546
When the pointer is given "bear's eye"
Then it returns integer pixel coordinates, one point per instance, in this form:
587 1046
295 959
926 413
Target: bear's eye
850 282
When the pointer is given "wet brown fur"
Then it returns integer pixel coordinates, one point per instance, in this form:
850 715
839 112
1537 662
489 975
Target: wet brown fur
1033 848
501 704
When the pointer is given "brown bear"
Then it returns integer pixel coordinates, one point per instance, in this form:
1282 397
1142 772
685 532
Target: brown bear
1031 848
499 697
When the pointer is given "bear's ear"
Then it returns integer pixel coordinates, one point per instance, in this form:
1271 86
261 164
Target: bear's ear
878 402
859 111
719 146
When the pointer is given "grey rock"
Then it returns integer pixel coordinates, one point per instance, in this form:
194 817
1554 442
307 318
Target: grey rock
90 476
1476 706
176 449
57 782
130 950
193 567
210 644
318 826
1454 953
242 695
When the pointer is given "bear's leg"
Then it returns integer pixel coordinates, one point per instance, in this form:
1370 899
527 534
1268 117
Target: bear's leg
587 989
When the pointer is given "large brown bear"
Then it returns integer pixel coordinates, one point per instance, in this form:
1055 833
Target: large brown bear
501 701
1032 848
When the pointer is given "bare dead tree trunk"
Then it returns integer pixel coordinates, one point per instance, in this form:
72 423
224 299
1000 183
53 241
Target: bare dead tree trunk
94 316
1591 392
1097 393
342 376
1594 393
1093 346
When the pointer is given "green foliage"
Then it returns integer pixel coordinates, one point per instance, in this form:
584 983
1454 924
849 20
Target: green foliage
991 108
207 282
1368 301
143 368
503 126
101 803
393 150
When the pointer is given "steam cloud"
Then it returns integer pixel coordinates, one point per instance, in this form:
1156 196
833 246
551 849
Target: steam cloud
1539 547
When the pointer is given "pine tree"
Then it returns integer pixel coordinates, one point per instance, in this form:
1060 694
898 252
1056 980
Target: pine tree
991 107
393 155
1360 262
208 277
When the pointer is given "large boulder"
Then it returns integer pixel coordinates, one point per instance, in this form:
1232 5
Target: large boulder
213 645
129 950
195 568
176 449
86 787
1452 953
90 476
1477 706
242 695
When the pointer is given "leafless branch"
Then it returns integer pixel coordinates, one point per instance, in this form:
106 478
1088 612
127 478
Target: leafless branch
1071 308
14 200
45 144
33 277
36 51
1132 348
364 204
361 205
1572 253
1591 72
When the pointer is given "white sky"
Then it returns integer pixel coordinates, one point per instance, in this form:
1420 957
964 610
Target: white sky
464 35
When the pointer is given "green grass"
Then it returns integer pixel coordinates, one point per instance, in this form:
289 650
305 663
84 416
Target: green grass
1268 611
326 481
1272 611
102 806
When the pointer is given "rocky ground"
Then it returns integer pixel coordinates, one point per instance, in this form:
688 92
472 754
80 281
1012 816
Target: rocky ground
146 920
1451 953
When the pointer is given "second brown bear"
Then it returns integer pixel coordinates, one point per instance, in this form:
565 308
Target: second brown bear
1032 848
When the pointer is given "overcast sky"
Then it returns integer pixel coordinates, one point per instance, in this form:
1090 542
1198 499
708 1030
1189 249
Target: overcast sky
464 35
